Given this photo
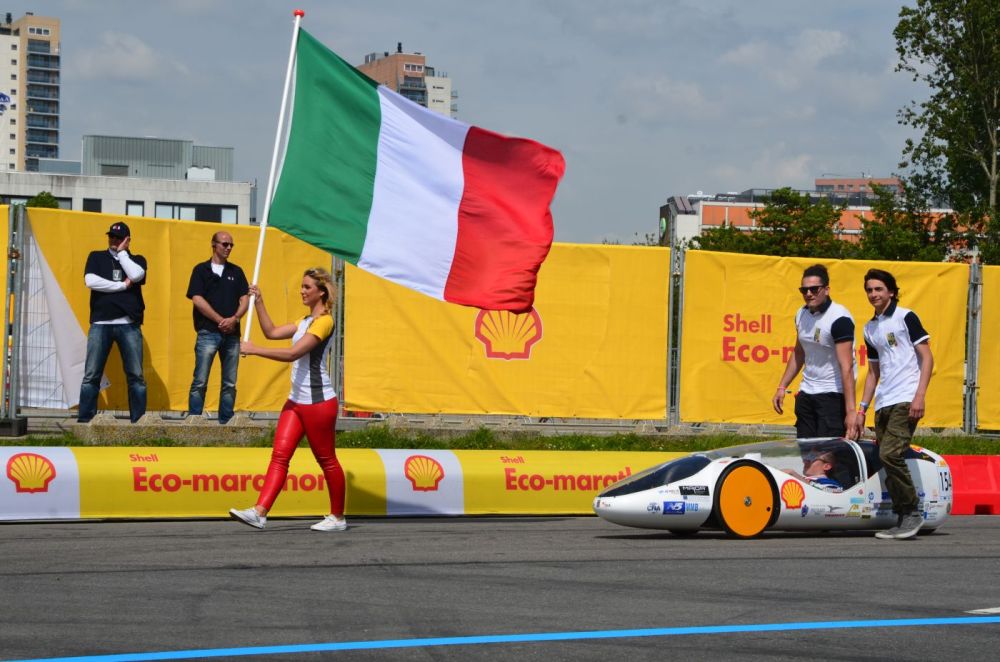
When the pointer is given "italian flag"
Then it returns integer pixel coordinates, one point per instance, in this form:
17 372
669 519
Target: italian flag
434 204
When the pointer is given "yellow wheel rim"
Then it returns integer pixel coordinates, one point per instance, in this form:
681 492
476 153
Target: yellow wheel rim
746 501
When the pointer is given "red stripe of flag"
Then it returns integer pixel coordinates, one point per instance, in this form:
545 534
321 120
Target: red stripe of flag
504 221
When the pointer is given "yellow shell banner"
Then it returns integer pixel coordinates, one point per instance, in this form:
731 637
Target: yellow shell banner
172 248
594 346
207 482
988 400
545 482
739 331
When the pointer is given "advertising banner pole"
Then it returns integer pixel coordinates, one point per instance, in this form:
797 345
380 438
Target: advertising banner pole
973 326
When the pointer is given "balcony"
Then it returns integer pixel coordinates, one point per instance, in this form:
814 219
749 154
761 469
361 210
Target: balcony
50 62
40 107
42 137
40 122
41 151
43 78
38 92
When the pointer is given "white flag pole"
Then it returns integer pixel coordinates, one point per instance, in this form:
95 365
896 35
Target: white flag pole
274 164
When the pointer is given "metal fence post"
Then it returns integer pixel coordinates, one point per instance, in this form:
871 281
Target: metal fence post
676 304
972 339
11 425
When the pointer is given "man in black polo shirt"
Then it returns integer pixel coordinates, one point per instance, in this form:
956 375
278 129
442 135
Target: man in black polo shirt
115 279
219 291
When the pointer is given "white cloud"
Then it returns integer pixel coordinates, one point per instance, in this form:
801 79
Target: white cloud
123 57
652 98
772 168
790 64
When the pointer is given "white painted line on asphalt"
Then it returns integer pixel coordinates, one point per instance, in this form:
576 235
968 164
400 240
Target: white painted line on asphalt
991 610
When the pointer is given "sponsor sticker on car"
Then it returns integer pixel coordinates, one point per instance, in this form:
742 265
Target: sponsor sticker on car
674 507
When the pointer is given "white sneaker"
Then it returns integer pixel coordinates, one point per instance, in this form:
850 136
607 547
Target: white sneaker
330 523
249 516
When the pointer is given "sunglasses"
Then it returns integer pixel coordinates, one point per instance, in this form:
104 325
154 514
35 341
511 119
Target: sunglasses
225 244
811 289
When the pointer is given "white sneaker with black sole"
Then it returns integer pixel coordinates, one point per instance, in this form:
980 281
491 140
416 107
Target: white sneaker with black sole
249 516
330 523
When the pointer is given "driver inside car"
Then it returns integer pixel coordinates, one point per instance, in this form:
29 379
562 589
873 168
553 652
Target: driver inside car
816 468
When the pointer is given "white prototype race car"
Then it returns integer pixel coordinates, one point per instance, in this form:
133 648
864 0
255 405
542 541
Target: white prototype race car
746 490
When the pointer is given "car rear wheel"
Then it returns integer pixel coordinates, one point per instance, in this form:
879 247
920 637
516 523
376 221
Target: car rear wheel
746 501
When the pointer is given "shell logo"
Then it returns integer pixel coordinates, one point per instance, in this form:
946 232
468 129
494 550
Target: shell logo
508 335
424 473
792 494
30 472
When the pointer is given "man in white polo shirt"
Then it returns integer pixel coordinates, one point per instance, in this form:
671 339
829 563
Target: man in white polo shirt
900 364
824 351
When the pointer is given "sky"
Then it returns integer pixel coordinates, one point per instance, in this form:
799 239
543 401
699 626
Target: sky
644 98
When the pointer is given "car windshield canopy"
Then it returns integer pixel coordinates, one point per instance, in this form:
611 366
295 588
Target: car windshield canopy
796 455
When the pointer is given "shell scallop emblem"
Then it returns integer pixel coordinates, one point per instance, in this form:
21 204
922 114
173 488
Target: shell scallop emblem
30 472
508 335
424 473
792 494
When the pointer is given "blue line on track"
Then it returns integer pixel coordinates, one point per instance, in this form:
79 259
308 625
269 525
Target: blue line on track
521 638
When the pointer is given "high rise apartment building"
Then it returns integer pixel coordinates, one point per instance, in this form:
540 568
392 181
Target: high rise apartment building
29 85
408 74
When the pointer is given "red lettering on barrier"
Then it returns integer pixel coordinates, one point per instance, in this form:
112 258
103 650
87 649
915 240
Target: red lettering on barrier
745 353
143 481
139 479
525 482
735 322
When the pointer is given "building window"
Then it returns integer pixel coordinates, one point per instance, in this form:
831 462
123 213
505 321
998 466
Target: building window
92 204
13 76
135 208
13 91
171 210
12 151
13 47
13 60
13 121
190 212
13 136
110 170
10 165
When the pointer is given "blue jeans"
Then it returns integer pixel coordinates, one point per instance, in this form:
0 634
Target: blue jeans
208 344
128 337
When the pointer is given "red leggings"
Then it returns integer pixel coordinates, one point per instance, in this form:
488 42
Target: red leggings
318 423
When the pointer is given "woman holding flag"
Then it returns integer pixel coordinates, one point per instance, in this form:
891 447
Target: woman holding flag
311 408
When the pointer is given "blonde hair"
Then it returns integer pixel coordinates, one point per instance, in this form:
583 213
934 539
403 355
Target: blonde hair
325 282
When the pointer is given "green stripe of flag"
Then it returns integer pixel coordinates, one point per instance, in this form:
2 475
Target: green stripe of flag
324 194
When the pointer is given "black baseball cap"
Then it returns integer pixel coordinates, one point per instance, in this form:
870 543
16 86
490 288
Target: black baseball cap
119 230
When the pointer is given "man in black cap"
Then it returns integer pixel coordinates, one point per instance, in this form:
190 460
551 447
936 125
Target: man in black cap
115 279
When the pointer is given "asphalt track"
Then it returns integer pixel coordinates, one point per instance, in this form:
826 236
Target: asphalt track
574 588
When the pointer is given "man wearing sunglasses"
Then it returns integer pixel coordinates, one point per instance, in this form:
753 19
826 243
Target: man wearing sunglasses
824 352
220 294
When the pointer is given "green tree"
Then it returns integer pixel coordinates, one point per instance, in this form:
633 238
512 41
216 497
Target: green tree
789 224
43 199
903 228
953 47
